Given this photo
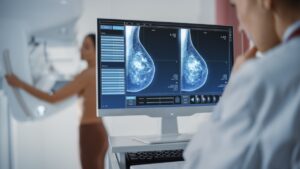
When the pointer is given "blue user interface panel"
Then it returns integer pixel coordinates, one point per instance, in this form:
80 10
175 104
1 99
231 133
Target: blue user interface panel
156 64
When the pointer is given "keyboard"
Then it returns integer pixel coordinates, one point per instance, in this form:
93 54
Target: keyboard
150 157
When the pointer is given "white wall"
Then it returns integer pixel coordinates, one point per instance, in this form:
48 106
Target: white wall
4 132
197 11
52 143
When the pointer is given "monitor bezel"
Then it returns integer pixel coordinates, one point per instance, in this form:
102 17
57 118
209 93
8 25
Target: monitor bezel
155 111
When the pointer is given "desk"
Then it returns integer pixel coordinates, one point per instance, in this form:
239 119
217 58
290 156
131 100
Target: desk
169 165
121 145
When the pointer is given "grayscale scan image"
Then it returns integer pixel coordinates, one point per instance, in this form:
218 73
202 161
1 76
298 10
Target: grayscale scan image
140 66
194 70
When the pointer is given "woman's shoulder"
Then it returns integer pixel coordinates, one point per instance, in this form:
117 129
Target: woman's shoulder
89 71
88 74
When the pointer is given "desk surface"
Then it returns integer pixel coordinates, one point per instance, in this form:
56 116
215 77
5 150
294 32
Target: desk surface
170 165
130 144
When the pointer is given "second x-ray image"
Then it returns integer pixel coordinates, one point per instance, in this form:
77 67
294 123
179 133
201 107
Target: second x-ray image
194 70
140 66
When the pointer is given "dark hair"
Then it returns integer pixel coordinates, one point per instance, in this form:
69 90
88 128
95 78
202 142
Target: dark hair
92 36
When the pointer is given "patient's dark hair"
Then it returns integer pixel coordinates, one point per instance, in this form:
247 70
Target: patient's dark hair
92 36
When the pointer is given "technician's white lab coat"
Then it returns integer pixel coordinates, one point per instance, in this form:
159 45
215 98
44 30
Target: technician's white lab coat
256 125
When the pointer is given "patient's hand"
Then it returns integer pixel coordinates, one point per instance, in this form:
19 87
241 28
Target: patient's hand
14 81
250 54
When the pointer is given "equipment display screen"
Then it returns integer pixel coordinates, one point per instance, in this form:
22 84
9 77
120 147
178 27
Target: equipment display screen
146 64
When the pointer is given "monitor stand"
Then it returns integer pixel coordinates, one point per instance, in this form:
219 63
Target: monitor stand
169 133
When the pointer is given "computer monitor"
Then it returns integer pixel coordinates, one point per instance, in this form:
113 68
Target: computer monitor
161 69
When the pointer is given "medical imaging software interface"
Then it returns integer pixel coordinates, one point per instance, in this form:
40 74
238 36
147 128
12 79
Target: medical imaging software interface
147 64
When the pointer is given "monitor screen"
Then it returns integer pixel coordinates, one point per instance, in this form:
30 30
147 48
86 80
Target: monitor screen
142 64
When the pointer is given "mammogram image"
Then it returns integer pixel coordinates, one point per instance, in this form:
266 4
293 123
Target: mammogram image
194 70
140 66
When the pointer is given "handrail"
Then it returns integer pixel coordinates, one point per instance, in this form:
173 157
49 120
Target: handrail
8 69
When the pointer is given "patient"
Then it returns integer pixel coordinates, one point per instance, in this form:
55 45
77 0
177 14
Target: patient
93 136
256 123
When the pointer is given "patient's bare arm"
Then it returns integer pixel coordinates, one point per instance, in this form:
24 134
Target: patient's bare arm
68 90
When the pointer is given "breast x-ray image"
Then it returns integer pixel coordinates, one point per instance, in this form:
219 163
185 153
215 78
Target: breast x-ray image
140 66
165 60
152 60
194 70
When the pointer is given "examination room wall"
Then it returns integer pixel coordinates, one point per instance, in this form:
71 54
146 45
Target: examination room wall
53 142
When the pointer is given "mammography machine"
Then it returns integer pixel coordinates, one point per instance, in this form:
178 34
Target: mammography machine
27 29
24 38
